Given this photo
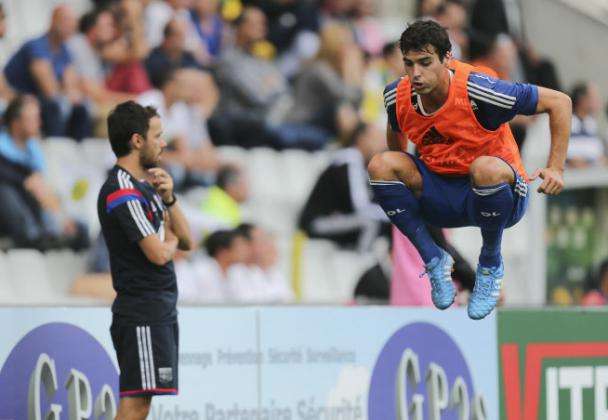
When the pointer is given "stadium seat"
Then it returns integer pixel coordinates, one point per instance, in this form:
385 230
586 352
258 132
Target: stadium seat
7 294
76 177
63 267
28 276
317 272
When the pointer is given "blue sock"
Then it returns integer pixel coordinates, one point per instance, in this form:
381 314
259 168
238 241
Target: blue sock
492 206
400 205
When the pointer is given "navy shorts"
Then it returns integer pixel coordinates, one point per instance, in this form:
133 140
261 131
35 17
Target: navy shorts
448 201
147 357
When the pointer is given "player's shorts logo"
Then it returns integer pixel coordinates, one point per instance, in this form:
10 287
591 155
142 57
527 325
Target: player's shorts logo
165 374
421 370
58 370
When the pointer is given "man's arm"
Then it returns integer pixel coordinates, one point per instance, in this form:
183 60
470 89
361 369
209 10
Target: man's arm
159 252
42 72
393 140
559 107
178 225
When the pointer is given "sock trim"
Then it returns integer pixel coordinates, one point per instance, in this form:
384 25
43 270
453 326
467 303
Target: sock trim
383 182
490 189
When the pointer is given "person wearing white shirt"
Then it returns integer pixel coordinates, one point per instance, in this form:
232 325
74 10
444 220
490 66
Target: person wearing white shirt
209 279
586 147
259 280
191 155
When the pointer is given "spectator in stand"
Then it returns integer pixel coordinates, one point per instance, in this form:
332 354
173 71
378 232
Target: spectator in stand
251 85
97 31
427 8
6 93
585 148
158 13
492 17
208 29
209 280
258 280
328 90
31 213
171 54
392 60
340 206
223 201
336 10
368 28
43 67
292 29
128 50
596 293
256 100
190 156
452 15
496 54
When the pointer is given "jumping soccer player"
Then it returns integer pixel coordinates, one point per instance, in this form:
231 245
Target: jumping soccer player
143 226
469 171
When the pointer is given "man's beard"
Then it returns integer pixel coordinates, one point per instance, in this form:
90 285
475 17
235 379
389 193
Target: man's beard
148 164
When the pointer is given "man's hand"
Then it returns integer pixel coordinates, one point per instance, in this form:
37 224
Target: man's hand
163 183
553 181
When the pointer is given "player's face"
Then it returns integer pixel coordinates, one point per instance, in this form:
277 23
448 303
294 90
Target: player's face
153 145
424 68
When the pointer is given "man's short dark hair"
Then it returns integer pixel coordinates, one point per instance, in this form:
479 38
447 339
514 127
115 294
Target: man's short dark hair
218 241
579 91
389 48
245 230
422 33
126 119
14 108
227 174
89 19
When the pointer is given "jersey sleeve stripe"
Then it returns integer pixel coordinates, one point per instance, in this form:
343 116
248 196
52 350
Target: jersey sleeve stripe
137 213
492 92
492 97
139 209
490 101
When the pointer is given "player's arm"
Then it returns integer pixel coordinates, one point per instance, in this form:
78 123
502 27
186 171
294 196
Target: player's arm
499 101
393 132
42 72
178 225
559 107
393 139
159 252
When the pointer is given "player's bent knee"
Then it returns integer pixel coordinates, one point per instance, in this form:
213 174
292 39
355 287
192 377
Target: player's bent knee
490 170
388 166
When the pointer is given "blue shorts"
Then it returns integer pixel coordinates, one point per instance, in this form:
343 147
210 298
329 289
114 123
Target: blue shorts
448 201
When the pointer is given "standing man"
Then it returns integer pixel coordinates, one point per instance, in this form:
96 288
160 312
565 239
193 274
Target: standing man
469 171
143 226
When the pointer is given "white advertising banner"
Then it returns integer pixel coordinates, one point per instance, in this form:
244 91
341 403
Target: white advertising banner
262 363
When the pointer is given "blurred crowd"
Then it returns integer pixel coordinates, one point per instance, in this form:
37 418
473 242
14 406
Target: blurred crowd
284 74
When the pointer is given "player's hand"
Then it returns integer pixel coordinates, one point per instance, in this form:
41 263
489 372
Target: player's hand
553 181
162 182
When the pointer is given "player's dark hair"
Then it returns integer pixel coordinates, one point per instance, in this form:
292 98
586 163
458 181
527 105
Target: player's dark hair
227 174
422 33
126 119
14 108
218 241
579 90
